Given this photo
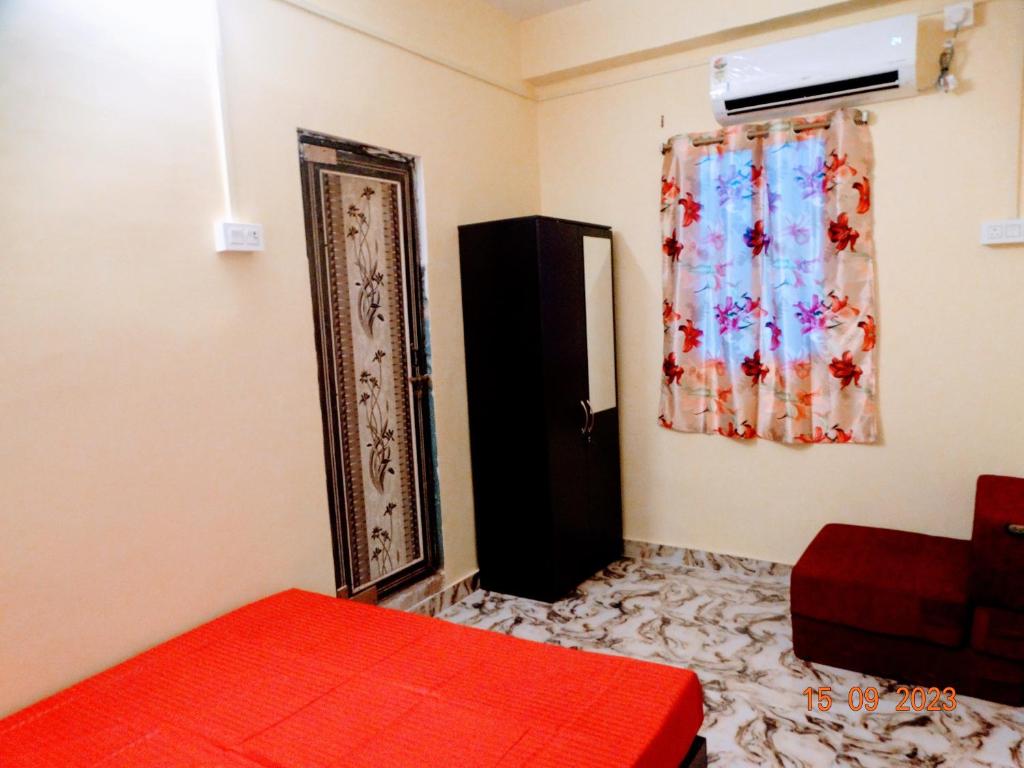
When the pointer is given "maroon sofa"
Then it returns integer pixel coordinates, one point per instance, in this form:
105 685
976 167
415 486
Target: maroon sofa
925 610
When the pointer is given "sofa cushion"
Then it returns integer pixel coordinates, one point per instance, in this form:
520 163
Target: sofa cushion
997 557
885 581
998 632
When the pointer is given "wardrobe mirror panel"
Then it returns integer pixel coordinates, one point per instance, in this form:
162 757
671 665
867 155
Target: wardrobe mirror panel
597 268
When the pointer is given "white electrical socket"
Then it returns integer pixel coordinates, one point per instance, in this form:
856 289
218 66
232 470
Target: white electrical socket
958 15
235 236
1002 231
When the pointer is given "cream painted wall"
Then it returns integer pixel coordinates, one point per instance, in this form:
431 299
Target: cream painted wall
472 35
161 457
951 318
594 33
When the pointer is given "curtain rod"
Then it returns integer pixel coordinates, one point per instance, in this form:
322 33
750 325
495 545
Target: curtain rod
760 130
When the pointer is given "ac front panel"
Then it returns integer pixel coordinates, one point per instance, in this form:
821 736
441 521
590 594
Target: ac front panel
811 93
846 67
807 108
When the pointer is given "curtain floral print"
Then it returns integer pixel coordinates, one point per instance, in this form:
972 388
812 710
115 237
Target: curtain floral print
768 275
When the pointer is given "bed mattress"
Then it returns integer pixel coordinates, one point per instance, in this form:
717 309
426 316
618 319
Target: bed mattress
299 679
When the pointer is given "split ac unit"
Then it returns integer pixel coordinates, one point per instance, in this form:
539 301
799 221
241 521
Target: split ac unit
844 67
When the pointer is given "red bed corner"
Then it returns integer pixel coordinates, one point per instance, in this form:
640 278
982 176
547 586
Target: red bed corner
300 679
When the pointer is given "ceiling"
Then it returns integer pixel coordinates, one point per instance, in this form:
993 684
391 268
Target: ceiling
524 9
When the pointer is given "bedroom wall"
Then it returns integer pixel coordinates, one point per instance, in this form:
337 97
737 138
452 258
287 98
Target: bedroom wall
951 316
470 35
592 35
161 457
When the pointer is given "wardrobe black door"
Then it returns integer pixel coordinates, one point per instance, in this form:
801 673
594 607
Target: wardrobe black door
504 366
563 322
604 491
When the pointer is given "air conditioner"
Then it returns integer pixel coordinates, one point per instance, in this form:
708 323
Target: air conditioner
844 67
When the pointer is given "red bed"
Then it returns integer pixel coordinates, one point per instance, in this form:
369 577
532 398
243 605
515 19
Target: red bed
300 679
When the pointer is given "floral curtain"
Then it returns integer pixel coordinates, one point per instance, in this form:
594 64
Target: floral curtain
769 298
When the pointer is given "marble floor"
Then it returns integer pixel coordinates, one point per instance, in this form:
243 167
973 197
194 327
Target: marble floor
728 620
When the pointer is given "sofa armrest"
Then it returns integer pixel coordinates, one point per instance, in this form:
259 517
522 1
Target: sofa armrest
997 543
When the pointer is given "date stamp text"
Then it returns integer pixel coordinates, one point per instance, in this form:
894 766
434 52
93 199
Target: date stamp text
911 699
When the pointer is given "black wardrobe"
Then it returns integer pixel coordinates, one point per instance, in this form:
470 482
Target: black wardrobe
540 369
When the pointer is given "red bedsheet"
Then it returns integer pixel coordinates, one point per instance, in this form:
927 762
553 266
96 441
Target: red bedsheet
300 679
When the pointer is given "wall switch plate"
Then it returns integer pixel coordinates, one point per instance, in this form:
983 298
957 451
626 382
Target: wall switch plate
235 236
958 15
1002 231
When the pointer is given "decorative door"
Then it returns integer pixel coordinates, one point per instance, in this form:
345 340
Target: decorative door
372 345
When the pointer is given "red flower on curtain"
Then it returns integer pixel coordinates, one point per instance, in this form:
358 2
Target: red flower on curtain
729 430
669 189
722 401
756 175
804 403
756 239
845 369
691 209
836 168
842 436
754 307
691 336
668 313
838 305
749 432
754 368
672 247
863 187
817 436
868 326
840 233
673 373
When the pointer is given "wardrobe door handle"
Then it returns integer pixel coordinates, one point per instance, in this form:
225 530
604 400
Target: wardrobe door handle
586 417
590 420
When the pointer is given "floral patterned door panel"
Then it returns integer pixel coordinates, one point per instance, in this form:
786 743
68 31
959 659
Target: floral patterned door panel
368 308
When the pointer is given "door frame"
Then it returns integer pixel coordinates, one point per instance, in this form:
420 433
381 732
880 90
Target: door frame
314 148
